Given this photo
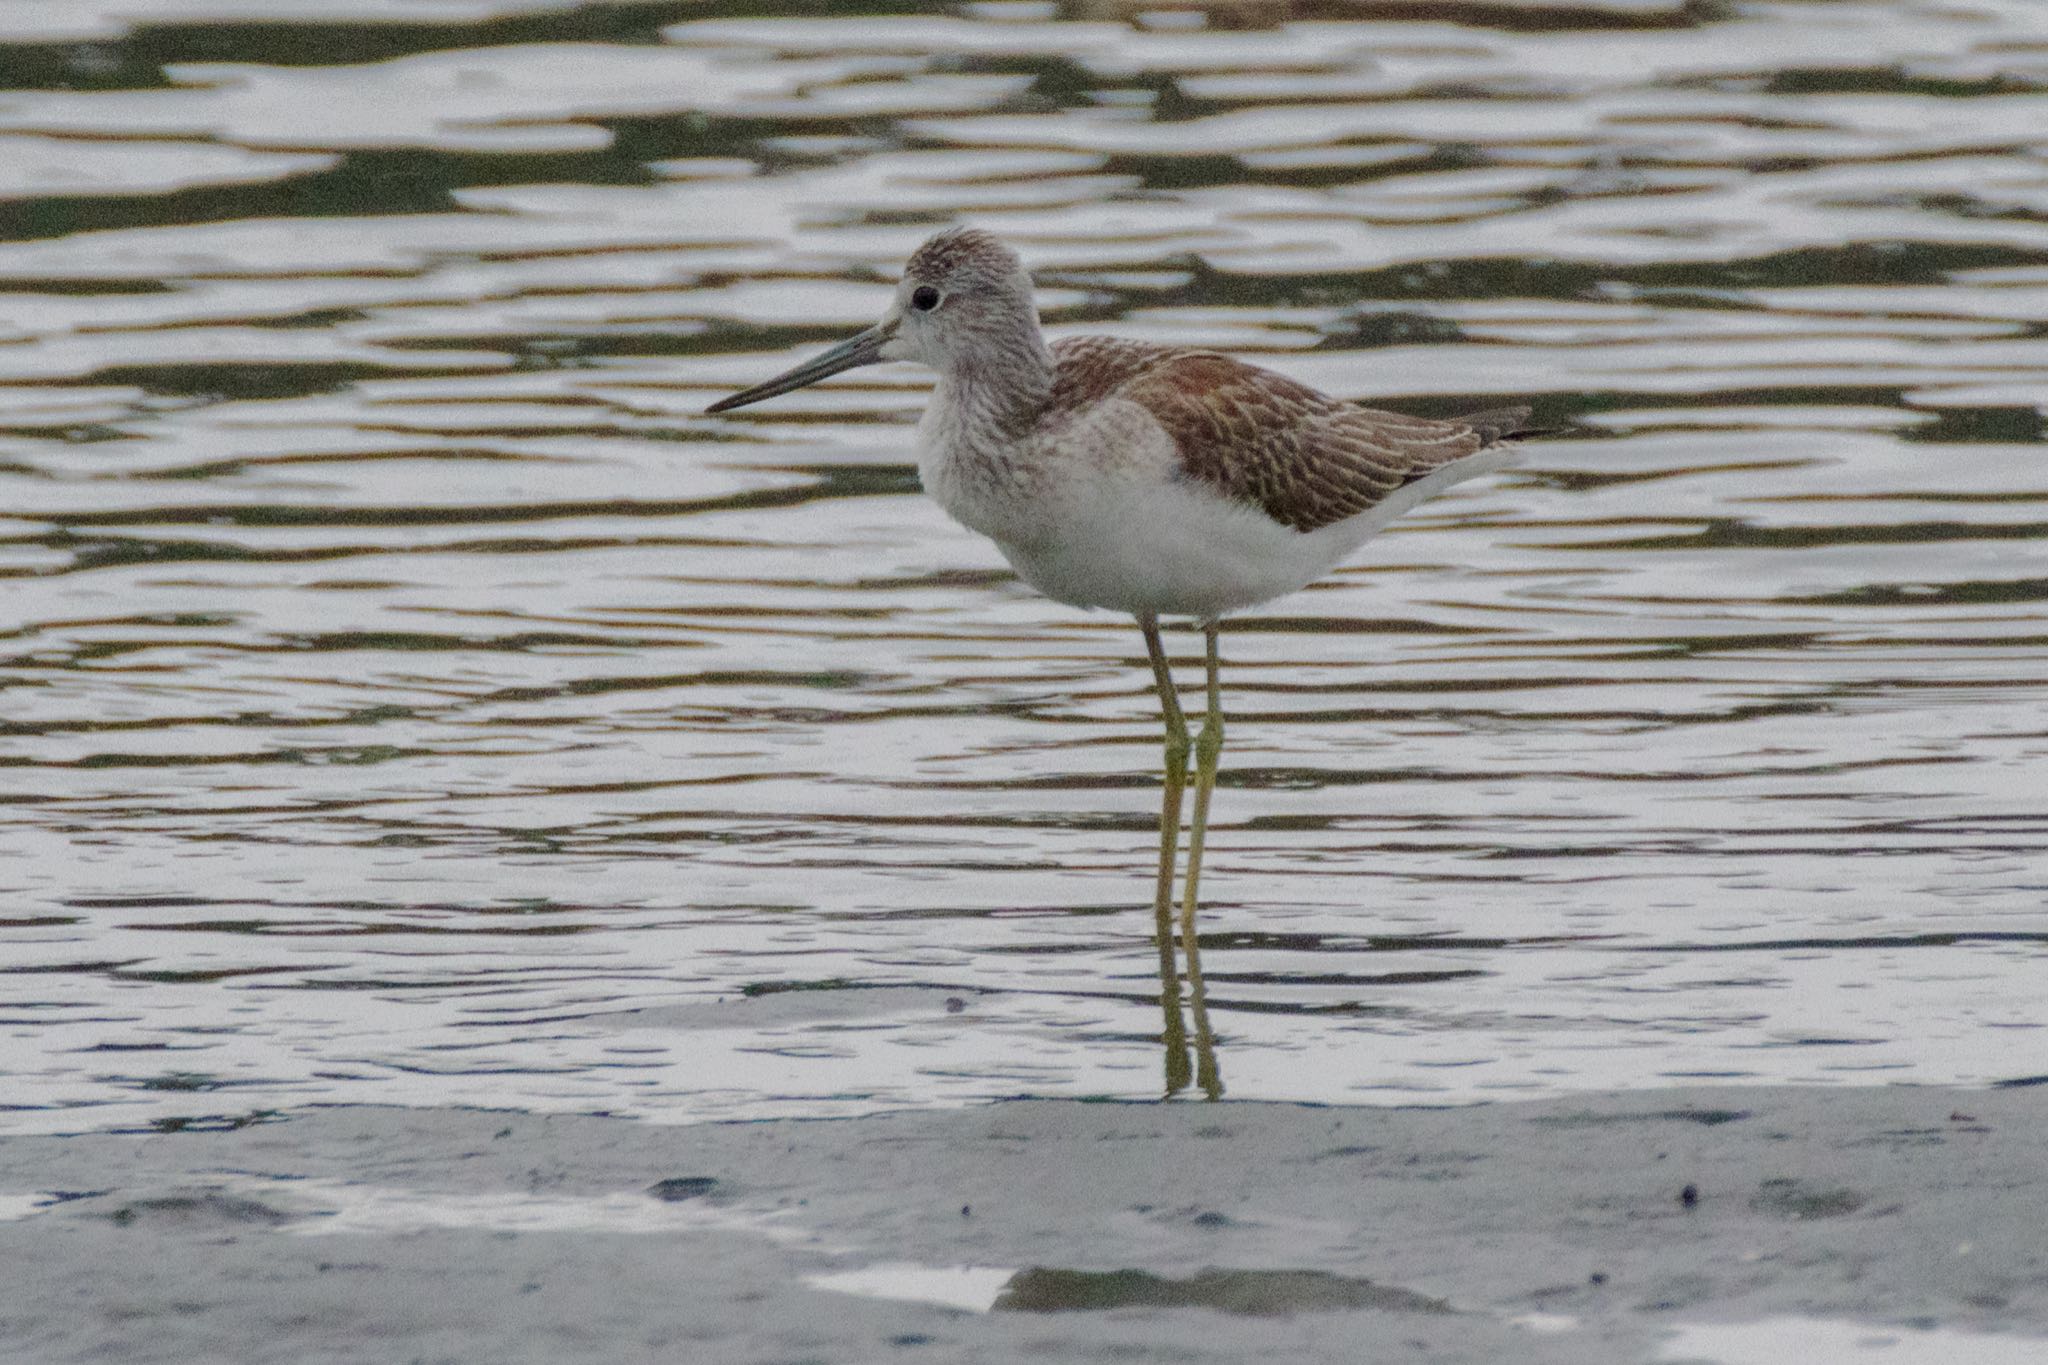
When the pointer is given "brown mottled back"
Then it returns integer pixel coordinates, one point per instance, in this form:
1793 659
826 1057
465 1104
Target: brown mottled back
1306 459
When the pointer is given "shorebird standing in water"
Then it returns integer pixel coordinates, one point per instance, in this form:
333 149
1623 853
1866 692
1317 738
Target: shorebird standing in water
1154 480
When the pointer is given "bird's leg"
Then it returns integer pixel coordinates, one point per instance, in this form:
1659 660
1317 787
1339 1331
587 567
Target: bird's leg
1175 1032
1208 745
1176 781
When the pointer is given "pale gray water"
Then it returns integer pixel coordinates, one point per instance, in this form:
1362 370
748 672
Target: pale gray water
399 674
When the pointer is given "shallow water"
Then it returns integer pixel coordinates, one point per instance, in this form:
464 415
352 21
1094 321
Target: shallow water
401 679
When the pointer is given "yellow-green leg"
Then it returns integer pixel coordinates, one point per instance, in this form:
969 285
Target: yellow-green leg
1176 781
1174 1034
1208 748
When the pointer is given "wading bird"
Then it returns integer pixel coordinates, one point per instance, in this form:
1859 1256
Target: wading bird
1154 480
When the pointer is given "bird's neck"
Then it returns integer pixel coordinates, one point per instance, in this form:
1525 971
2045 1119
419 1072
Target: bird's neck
1000 386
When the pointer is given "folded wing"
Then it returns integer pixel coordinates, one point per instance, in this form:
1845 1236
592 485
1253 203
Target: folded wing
1306 459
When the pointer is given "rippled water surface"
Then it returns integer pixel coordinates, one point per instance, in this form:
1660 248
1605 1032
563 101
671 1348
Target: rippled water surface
401 681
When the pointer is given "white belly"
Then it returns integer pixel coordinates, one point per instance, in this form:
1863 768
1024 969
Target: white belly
1166 549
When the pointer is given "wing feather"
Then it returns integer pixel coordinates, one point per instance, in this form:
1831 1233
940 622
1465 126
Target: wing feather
1306 459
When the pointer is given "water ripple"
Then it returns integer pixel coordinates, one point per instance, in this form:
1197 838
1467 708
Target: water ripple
407 695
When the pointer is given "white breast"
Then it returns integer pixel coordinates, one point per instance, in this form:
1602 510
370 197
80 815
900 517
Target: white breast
1094 512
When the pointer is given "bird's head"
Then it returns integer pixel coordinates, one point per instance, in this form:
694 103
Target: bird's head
964 296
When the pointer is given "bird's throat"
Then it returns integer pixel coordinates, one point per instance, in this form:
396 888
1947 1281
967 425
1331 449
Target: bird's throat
999 392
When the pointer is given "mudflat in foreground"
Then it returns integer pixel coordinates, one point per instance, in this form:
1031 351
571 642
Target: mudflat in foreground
1585 1230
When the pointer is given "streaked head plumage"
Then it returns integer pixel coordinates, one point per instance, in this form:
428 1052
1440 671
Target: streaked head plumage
962 255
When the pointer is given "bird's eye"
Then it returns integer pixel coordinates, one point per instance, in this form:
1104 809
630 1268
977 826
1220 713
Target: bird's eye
924 298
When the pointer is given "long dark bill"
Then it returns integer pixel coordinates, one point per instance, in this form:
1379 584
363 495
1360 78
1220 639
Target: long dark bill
862 349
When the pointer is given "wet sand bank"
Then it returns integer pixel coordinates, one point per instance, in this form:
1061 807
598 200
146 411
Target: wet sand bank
1559 1231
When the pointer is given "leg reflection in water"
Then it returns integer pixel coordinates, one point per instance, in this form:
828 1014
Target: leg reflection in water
1204 1072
